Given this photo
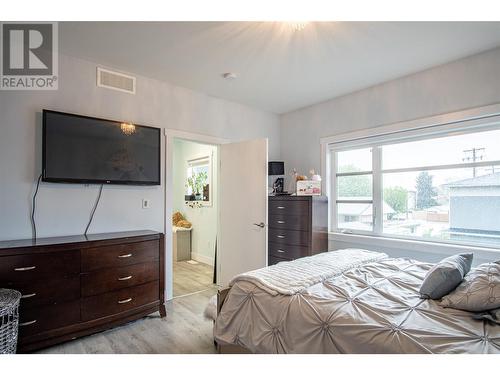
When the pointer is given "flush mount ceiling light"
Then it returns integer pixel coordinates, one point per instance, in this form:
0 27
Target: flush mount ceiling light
297 26
229 76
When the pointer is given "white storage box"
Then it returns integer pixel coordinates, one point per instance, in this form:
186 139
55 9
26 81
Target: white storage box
308 187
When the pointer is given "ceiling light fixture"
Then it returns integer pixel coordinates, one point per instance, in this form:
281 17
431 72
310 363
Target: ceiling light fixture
297 26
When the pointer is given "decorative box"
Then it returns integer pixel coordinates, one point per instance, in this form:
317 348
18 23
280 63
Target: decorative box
308 187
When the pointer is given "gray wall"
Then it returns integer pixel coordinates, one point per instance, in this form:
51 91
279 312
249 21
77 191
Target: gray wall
466 83
64 209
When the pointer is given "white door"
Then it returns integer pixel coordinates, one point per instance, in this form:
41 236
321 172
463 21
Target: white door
243 208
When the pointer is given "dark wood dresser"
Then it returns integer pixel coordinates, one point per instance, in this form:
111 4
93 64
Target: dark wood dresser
77 285
298 227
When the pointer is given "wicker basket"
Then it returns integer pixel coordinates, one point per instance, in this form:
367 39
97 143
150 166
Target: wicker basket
9 320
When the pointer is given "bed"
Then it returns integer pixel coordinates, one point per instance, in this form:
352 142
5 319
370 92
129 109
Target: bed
362 302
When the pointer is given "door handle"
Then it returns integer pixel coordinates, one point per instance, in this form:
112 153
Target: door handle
261 225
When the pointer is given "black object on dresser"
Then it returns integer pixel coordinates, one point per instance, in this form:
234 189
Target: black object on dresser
298 227
77 285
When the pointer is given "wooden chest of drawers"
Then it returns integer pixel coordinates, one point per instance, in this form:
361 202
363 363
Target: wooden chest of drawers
75 286
298 227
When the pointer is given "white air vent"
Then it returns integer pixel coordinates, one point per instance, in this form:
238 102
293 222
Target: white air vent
115 81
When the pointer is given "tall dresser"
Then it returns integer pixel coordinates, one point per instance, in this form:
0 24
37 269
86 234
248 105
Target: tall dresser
298 227
78 285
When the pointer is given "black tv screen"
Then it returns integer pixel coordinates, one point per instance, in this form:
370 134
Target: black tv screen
83 149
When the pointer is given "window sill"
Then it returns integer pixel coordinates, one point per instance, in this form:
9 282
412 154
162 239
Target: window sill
408 244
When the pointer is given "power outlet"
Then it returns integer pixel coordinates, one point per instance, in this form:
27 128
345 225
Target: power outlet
146 203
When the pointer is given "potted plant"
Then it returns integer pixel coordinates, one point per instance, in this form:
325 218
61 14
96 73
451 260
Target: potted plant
197 182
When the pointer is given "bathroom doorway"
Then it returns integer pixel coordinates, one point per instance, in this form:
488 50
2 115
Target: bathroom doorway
194 216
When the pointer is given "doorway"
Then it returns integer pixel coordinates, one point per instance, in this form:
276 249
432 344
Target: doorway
194 216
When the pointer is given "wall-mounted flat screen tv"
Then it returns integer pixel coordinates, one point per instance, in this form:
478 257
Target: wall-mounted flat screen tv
81 149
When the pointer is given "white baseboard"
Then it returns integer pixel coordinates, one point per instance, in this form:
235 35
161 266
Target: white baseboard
202 258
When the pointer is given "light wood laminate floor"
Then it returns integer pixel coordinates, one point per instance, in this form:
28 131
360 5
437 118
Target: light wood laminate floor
183 330
190 278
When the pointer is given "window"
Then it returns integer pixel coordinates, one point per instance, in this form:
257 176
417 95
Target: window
424 186
199 172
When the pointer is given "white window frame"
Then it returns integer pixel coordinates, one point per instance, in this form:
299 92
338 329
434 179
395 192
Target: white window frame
463 122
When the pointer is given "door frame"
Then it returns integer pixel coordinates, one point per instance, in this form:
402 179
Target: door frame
170 135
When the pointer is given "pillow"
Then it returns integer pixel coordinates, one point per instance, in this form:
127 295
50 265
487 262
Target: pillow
479 291
445 276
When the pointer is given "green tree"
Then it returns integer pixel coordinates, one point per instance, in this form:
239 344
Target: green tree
354 186
397 198
426 193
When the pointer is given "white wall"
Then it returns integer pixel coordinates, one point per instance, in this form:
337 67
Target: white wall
466 83
64 209
204 219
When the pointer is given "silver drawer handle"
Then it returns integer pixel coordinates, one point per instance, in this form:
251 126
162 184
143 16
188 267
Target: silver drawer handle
124 278
280 251
125 256
25 268
280 222
27 323
280 207
280 236
28 295
125 300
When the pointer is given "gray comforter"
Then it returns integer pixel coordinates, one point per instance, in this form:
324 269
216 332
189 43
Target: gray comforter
371 308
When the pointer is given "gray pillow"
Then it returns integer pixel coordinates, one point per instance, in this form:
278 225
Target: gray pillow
479 291
445 276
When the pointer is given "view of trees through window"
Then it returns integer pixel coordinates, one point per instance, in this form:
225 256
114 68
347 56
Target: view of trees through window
444 188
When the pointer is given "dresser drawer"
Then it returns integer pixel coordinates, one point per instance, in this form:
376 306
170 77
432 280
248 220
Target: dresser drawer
107 280
39 319
119 301
48 291
287 251
288 207
288 237
294 222
21 268
119 255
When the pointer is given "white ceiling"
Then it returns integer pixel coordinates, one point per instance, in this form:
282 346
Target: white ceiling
279 70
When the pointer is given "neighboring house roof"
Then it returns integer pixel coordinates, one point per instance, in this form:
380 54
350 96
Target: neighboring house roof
482 181
360 209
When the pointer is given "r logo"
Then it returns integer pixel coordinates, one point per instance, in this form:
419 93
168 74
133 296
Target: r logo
27 49
29 59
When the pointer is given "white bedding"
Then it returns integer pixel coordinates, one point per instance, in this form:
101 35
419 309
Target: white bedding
289 278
